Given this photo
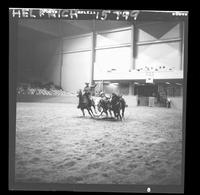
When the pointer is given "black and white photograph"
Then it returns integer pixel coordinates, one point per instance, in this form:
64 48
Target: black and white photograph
99 97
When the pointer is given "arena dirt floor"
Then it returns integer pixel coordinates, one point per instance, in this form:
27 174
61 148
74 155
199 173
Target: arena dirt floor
55 143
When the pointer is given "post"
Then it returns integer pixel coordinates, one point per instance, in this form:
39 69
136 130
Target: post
131 88
132 47
182 45
61 60
93 52
61 54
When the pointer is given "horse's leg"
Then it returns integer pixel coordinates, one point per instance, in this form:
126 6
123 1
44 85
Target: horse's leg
106 113
83 111
89 111
118 113
120 117
123 112
115 114
110 113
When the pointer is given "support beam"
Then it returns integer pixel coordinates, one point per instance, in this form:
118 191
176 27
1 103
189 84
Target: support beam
61 53
93 53
182 45
61 60
159 41
134 43
132 48
131 88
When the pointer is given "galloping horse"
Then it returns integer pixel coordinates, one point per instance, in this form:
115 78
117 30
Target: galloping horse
106 106
85 103
115 104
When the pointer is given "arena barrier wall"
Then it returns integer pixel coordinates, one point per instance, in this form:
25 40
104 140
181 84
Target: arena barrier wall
176 102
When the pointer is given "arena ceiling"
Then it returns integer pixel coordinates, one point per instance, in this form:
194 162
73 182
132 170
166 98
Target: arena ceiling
64 28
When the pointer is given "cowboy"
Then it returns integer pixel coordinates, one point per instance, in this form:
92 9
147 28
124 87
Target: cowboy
168 103
103 96
92 89
86 88
87 91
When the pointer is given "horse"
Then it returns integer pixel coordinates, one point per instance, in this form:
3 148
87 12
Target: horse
116 106
86 103
106 106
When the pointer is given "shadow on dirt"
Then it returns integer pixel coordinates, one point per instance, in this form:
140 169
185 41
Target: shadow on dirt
102 118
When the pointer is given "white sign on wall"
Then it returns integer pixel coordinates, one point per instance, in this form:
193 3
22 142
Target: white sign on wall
149 76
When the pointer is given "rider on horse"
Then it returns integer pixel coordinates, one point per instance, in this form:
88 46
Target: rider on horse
88 92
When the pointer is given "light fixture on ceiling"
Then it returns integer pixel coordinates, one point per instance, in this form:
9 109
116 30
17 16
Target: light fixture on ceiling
115 83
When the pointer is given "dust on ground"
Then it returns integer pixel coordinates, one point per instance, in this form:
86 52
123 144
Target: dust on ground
55 143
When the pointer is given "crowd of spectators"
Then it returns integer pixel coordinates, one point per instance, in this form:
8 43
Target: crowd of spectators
37 88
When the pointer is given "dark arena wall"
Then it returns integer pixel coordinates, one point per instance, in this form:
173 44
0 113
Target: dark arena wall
38 56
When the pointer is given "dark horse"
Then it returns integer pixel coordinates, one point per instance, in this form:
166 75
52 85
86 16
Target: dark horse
86 103
115 104
106 106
